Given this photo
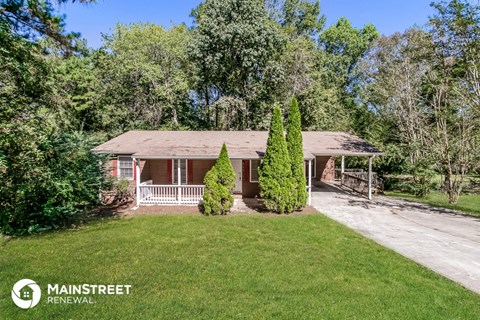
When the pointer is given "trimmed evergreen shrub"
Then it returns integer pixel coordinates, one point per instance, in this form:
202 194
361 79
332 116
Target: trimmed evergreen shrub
275 173
295 151
226 175
219 183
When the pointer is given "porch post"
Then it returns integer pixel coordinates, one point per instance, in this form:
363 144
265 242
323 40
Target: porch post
137 180
179 181
342 171
310 182
370 177
100 165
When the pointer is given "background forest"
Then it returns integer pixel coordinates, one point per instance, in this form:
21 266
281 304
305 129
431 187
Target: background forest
414 94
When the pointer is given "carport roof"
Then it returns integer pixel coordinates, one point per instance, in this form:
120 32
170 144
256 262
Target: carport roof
240 144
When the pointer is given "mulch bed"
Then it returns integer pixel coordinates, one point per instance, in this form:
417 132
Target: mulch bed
128 209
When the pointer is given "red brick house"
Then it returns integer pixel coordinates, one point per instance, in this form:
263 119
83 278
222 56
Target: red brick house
168 167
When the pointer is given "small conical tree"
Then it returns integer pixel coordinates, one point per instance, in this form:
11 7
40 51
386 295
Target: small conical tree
275 172
295 151
226 175
219 183
217 200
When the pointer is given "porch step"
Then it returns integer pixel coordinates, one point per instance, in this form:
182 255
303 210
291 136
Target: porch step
237 196
246 205
239 205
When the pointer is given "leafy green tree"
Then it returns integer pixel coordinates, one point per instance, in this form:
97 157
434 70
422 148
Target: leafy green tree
395 72
343 46
235 49
49 176
34 19
302 17
143 76
48 179
295 151
77 90
453 91
277 187
219 183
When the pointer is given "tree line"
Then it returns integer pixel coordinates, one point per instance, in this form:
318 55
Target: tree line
415 93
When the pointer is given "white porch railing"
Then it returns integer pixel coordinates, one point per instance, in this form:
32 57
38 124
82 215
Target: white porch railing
170 194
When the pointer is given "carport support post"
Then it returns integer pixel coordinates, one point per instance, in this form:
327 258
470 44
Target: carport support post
310 182
370 177
179 180
137 179
342 170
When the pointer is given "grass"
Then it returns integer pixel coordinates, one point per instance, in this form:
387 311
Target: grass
468 203
235 267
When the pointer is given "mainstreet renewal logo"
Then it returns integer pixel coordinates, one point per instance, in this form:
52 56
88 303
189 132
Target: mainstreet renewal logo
26 293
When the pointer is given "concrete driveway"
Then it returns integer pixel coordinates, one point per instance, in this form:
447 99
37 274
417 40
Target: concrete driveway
440 239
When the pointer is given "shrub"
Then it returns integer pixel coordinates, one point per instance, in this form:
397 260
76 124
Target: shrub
219 183
122 192
419 185
48 180
295 151
217 200
277 187
226 175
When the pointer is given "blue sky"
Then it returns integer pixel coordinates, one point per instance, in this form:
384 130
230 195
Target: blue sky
92 20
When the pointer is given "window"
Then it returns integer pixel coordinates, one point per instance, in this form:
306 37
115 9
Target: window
314 169
125 168
183 171
254 164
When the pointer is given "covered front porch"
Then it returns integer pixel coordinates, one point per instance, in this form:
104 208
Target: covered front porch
170 181
149 193
179 181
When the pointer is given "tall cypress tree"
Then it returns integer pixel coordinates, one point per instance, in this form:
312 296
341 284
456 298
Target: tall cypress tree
275 172
295 151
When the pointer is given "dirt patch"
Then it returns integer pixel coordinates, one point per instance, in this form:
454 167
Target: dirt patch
111 210
252 207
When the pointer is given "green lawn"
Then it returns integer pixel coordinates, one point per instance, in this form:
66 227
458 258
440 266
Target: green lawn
468 203
235 267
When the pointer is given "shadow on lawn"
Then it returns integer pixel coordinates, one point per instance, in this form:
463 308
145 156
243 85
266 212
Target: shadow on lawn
410 205
97 215
110 210
359 200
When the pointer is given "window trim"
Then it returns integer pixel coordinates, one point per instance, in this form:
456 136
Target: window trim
118 167
250 170
174 173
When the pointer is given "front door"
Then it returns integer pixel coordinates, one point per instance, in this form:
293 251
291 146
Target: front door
237 168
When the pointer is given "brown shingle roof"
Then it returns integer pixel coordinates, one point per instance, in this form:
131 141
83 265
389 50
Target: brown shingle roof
240 144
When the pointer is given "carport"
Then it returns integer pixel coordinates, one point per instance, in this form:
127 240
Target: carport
339 145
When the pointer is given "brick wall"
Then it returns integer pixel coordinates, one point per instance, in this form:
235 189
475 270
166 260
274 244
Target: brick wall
325 168
199 168
249 189
160 171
